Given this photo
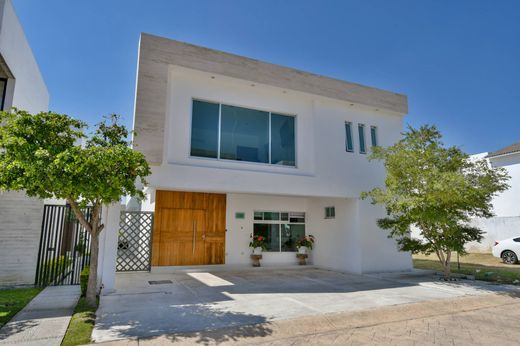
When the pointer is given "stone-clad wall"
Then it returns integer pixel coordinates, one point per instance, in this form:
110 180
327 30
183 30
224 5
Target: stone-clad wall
20 227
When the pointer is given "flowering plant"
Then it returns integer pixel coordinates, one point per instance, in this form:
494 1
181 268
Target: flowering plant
257 241
306 241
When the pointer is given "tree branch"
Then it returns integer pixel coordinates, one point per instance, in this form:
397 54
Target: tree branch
79 215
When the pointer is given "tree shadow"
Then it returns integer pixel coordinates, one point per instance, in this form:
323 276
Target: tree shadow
14 327
208 322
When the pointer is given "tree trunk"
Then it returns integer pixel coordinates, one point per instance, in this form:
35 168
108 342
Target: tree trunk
92 278
447 267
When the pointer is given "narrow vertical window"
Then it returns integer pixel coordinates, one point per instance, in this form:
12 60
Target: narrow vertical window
349 145
373 135
361 131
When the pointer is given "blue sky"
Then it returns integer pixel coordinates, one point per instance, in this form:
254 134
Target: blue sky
458 61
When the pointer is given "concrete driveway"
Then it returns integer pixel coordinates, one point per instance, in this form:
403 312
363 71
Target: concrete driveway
148 304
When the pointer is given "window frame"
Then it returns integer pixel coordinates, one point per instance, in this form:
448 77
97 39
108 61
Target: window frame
328 215
218 158
348 125
280 222
362 139
373 136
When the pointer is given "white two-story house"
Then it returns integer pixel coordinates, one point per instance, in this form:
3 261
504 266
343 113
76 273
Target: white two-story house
240 147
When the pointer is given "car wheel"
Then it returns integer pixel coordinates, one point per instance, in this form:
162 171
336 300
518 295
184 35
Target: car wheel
509 257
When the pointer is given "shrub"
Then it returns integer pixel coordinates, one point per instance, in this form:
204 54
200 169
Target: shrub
83 280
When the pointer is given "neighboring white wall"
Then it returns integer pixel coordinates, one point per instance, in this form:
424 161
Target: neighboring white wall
507 203
20 228
30 92
506 206
324 168
20 216
495 228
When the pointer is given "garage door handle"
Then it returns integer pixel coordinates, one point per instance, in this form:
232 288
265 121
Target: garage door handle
193 239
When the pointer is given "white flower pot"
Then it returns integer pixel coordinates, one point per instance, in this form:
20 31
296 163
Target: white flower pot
302 250
257 251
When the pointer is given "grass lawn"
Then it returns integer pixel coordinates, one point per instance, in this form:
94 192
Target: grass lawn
483 266
13 300
81 325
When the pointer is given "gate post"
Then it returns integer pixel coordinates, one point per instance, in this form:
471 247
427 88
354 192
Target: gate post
108 248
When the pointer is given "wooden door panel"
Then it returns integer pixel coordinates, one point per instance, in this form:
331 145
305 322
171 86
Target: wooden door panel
190 228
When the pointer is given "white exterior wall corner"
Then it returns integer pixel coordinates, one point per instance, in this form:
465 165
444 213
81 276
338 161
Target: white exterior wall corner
20 216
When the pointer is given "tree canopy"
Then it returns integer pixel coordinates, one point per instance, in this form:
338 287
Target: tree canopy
437 189
51 155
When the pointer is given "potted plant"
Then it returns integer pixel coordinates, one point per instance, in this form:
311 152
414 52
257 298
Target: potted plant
304 244
257 243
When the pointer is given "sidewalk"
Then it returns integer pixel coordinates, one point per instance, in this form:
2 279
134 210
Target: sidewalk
44 320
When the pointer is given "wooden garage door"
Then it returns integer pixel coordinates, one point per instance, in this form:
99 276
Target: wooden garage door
189 228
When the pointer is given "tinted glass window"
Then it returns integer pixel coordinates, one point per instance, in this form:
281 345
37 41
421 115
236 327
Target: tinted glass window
271 233
204 129
373 135
349 146
282 140
517 240
244 134
290 234
361 131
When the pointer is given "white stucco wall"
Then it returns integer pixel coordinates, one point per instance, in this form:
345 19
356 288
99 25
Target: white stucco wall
20 216
324 168
507 203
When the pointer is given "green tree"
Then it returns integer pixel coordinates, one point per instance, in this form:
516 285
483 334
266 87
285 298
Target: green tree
436 189
42 155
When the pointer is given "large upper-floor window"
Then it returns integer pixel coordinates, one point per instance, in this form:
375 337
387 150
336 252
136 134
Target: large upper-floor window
235 133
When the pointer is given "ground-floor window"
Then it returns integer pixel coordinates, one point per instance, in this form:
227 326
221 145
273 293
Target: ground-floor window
280 229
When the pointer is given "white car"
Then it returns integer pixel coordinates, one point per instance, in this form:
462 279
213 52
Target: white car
508 250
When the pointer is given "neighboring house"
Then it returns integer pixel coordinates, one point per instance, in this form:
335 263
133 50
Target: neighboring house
506 205
241 147
21 86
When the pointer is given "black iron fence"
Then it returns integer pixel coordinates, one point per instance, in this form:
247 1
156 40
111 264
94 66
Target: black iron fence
64 247
134 241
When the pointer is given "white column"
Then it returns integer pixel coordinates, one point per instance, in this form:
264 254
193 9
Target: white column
108 248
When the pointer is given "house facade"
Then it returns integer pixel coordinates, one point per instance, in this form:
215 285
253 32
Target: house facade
506 205
21 86
240 147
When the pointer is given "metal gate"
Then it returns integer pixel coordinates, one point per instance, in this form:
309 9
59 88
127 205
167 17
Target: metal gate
64 247
134 241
